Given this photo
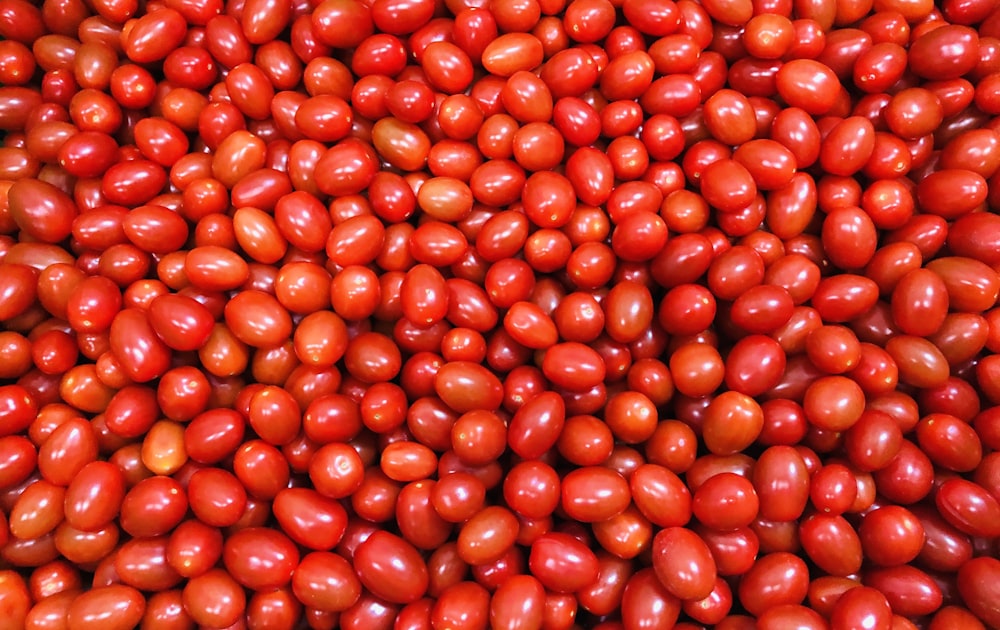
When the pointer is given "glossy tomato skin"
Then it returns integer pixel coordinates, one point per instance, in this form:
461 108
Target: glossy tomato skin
16 598
389 566
562 563
683 564
781 480
909 590
821 534
93 498
647 603
181 322
975 585
892 523
261 559
967 506
89 609
757 592
214 598
141 352
861 605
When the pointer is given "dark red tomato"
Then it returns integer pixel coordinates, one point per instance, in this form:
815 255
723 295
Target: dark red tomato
831 543
180 321
646 603
193 548
809 85
949 442
945 547
873 441
142 563
775 579
325 581
42 210
968 506
968 283
466 386
573 366
257 319
94 496
849 238
536 425
910 591
143 356
944 53
697 369
781 480
861 606
391 568
214 599
891 535
216 497
519 600
260 559
592 494
683 563
725 501
732 422
37 511
274 415
487 537
848 146
155 35
131 412
562 563
310 519
728 185
951 193
68 449
112 606
978 587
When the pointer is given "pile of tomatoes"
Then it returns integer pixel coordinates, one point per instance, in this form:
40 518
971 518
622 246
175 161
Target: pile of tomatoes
520 314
